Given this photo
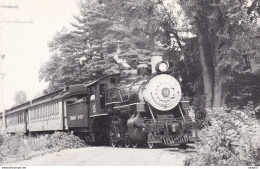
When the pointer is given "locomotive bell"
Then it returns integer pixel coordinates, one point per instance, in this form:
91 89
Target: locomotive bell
143 69
154 60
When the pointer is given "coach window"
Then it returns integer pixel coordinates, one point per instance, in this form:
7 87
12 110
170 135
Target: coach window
14 118
49 111
36 114
56 109
44 111
18 118
11 119
22 117
52 110
40 112
33 114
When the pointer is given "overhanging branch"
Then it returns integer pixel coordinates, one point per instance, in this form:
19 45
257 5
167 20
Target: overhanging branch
252 7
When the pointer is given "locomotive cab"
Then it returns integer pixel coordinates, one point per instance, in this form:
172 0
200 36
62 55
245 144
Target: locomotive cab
98 94
98 113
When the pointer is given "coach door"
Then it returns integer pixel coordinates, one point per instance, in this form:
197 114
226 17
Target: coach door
26 120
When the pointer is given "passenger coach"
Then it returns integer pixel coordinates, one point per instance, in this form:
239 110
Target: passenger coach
45 114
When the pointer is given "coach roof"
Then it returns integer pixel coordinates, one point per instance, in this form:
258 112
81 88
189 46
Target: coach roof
101 78
60 94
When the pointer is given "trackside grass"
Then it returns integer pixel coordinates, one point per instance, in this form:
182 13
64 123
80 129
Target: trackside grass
19 147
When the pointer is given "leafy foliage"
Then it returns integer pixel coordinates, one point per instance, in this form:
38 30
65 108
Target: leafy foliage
228 40
103 33
19 147
20 97
231 139
242 88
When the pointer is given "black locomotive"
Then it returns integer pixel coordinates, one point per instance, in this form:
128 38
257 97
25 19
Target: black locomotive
134 107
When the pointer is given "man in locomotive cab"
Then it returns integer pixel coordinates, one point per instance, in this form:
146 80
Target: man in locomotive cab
144 69
92 93
102 89
92 97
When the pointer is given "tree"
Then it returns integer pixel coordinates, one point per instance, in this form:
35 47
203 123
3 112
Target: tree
75 51
88 51
227 39
20 97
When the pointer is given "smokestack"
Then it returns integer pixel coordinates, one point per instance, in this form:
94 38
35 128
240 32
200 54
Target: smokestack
154 60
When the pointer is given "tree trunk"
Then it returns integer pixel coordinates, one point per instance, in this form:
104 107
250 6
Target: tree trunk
218 90
206 71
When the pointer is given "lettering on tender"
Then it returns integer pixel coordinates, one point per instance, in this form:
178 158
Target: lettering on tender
78 117
73 118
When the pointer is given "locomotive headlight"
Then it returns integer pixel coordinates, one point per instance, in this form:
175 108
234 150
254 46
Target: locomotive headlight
165 92
162 66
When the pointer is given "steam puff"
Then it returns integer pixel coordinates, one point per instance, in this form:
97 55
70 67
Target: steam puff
121 61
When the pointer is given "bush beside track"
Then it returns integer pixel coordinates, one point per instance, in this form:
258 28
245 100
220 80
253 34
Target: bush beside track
18 147
232 138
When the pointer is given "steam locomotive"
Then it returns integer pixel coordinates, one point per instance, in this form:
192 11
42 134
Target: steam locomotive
132 108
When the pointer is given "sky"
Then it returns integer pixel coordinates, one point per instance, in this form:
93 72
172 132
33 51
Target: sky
25 46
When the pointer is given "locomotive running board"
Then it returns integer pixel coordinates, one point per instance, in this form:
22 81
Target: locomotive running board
139 106
105 114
